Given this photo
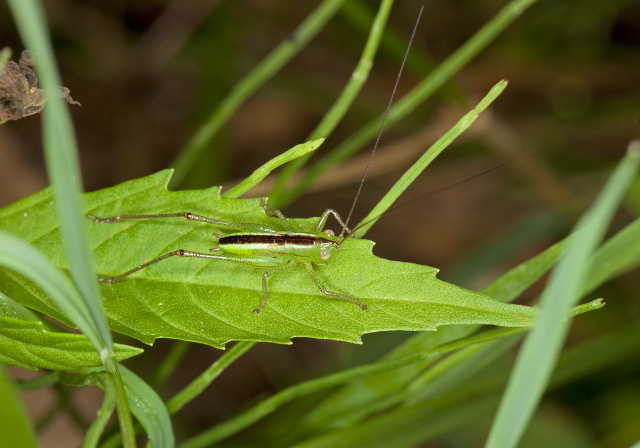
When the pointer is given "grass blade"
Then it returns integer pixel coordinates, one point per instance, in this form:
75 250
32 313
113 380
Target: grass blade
542 347
412 173
15 429
256 177
63 169
149 410
62 165
454 63
269 66
344 101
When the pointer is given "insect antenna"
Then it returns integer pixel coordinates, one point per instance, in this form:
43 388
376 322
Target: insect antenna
421 197
384 120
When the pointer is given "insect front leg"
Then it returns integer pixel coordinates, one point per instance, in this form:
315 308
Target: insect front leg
325 291
323 220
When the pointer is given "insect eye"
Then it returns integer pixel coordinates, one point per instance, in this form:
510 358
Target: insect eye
329 232
325 254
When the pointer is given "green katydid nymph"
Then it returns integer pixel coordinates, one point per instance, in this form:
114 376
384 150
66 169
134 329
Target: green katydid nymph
274 250
261 246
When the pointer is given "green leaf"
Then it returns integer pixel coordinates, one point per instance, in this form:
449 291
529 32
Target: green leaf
11 308
149 409
26 344
26 262
211 301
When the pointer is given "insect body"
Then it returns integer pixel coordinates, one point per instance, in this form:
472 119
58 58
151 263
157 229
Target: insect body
260 246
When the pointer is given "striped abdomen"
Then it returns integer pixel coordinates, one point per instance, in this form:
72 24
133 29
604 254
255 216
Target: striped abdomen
272 244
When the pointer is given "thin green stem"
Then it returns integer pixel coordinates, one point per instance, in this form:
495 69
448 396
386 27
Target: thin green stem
359 15
344 101
203 381
269 66
122 404
48 379
96 429
256 177
196 387
269 405
419 94
416 169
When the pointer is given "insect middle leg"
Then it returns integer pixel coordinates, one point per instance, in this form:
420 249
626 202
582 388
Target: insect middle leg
309 267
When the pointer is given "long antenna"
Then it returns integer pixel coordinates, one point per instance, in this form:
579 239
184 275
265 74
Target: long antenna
429 193
384 120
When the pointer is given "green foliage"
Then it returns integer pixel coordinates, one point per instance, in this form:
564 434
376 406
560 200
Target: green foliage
28 345
15 429
211 301
419 390
542 347
149 409
29 341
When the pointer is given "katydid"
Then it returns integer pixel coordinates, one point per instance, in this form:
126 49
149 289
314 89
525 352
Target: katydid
259 245
274 250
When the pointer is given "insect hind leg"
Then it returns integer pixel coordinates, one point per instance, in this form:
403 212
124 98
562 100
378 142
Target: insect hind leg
175 253
179 253
189 217
186 215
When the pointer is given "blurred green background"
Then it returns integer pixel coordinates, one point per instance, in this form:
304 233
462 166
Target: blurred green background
149 72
